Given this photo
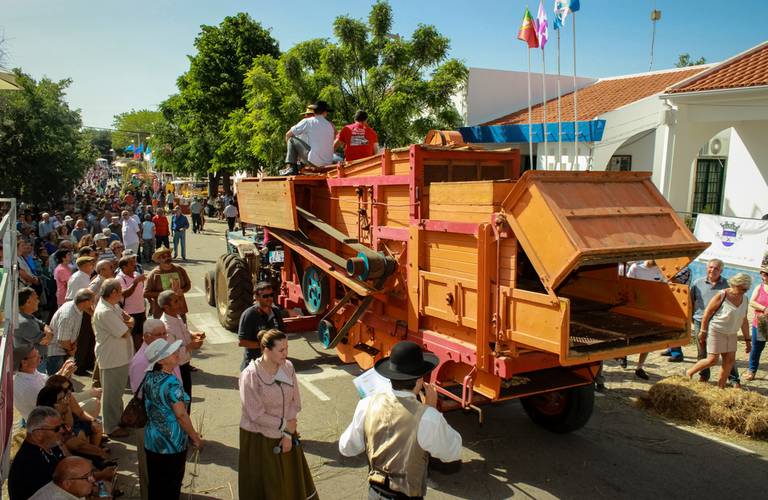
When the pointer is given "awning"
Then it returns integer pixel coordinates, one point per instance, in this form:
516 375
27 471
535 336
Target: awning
8 81
589 131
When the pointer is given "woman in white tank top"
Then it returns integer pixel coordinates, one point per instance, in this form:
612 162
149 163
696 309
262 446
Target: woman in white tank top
725 314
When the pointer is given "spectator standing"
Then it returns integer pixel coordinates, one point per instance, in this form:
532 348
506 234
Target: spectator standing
62 273
147 238
45 226
646 270
169 428
269 394
65 326
30 331
179 226
176 329
231 214
263 315
161 229
79 231
103 252
759 302
196 210
115 227
132 283
359 140
725 314
81 278
166 276
131 232
114 350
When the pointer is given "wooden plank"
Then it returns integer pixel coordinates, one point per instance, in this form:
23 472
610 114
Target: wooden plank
268 203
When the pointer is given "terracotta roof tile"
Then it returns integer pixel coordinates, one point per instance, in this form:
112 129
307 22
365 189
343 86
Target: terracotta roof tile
745 70
601 97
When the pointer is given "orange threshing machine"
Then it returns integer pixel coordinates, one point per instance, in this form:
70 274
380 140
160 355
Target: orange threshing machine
514 281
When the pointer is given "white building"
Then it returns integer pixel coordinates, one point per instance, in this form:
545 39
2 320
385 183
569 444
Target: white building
697 129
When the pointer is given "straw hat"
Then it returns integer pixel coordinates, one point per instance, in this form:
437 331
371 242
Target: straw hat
160 251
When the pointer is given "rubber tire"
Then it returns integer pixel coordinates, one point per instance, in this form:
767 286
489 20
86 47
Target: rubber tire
210 288
325 292
234 290
579 402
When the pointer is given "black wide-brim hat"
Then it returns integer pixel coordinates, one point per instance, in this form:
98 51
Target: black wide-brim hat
406 362
320 107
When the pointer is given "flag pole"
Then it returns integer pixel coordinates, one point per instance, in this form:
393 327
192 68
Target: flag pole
559 115
544 95
530 117
575 101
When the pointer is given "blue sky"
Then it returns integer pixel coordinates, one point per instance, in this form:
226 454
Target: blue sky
123 55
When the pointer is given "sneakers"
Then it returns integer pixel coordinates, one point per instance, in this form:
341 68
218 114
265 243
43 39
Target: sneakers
640 373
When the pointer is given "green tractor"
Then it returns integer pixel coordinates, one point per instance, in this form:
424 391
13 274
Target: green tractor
229 288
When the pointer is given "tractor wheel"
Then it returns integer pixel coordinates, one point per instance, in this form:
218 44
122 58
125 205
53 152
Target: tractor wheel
234 290
561 411
210 288
316 291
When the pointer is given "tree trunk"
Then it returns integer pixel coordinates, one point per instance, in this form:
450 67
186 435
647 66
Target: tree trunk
225 180
213 184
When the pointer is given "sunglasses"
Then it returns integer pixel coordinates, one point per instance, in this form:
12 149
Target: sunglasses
52 429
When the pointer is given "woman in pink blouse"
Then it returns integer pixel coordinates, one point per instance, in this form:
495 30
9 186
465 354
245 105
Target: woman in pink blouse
62 273
272 463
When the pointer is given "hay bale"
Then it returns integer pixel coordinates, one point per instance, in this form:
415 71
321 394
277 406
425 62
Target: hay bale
680 398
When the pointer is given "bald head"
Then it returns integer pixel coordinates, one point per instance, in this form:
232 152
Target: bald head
75 476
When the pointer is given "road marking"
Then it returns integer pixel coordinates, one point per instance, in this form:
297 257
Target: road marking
214 332
716 439
326 373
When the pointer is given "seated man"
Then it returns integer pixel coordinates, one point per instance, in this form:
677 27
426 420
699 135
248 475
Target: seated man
33 466
359 140
310 141
72 478
27 380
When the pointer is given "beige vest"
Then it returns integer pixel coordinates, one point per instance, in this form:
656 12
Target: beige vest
391 426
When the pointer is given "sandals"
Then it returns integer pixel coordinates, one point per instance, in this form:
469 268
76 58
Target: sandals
749 376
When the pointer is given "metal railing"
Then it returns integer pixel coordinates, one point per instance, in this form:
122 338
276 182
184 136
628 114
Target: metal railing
8 319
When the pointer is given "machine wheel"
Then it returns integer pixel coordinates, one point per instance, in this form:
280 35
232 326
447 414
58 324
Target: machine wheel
561 411
210 288
234 290
315 288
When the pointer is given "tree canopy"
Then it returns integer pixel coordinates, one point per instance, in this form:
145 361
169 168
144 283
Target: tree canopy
685 60
40 134
134 127
405 85
191 138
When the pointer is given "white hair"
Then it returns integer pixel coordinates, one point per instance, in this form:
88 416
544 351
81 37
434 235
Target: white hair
152 324
741 280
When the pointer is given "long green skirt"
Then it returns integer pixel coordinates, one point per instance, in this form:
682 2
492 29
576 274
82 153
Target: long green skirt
265 475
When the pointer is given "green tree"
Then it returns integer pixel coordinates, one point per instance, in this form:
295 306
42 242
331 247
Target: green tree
209 94
684 60
405 85
101 140
134 127
43 151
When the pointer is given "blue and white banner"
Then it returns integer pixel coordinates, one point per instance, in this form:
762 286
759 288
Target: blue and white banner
736 241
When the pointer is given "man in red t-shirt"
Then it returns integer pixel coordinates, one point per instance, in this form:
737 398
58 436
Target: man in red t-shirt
161 229
359 140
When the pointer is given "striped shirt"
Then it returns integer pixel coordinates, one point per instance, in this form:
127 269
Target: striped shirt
66 326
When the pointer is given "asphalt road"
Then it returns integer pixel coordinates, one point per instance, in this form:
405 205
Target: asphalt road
623 452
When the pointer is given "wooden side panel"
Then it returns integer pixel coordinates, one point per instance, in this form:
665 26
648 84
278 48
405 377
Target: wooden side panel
530 318
268 203
508 262
401 163
448 298
346 211
466 201
450 254
395 209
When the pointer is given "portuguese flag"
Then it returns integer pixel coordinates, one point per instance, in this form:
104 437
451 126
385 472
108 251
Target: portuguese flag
527 31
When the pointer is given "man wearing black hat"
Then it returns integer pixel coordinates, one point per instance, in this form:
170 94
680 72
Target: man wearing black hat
315 148
397 431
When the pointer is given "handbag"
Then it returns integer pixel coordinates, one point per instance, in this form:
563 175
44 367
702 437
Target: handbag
135 413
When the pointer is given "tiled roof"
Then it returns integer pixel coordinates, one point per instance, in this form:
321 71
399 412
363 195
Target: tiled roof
602 96
749 69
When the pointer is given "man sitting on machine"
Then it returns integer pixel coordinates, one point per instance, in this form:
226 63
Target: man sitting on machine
310 142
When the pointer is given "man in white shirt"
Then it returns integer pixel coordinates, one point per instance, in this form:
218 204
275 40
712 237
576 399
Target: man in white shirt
384 424
176 329
230 213
81 278
645 270
315 149
65 325
131 232
114 350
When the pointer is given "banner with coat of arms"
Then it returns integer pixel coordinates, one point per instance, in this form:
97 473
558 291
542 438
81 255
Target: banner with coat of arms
740 242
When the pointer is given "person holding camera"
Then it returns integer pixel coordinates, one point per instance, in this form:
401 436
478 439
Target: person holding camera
397 431
272 465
